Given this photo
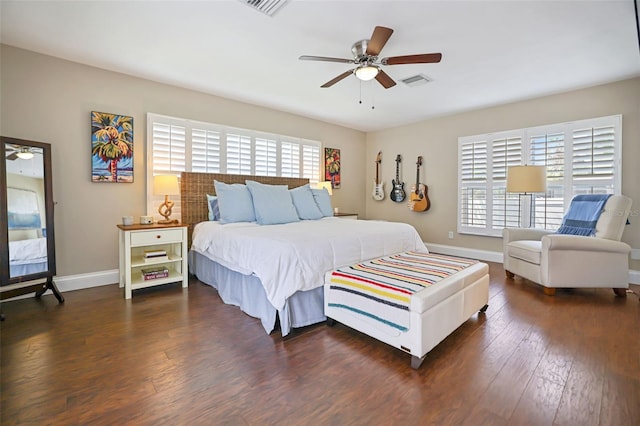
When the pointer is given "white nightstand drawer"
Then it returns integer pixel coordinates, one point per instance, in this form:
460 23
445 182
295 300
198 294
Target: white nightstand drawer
158 236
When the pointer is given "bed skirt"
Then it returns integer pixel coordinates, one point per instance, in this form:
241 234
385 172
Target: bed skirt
246 291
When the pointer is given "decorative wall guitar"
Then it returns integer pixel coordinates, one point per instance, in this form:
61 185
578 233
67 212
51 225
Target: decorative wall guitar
419 199
378 186
397 193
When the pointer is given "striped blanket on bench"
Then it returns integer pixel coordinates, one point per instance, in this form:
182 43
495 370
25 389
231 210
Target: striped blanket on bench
381 289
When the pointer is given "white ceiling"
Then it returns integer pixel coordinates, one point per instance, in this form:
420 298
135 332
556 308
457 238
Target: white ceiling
492 52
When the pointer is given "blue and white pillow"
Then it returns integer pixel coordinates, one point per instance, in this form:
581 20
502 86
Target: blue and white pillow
214 209
305 203
272 203
323 200
235 202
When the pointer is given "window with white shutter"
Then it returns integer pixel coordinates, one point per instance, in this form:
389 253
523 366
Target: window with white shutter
238 154
581 157
473 185
177 144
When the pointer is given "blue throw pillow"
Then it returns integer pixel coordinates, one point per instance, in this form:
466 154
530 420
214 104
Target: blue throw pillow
323 200
234 202
272 203
304 203
212 205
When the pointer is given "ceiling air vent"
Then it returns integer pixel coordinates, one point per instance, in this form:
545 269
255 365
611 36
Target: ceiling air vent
268 7
416 80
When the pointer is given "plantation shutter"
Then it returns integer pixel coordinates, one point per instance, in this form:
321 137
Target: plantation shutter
594 162
266 159
205 151
290 159
548 149
168 157
238 154
311 163
505 152
473 185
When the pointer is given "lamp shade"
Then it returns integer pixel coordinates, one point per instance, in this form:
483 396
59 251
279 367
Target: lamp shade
326 185
166 185
527 179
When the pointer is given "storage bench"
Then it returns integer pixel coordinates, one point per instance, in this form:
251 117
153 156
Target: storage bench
409 300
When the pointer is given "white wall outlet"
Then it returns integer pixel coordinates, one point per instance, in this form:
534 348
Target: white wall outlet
451 235
635 254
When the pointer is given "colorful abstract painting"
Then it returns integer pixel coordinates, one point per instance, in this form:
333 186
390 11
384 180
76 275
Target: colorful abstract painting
332 166
111 147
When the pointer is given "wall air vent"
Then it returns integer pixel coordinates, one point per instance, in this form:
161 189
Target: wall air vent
416 80
268 7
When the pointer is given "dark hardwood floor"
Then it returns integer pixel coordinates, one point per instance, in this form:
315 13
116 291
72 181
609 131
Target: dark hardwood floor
178 357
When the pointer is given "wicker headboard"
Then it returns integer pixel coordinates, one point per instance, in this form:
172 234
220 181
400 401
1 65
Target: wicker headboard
194 188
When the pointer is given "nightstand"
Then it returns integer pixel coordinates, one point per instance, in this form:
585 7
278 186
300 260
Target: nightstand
346 215
152 255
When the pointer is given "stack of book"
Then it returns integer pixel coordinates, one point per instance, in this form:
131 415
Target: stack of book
155 255
153 273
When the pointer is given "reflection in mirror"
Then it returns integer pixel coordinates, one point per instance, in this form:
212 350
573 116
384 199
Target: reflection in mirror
26 210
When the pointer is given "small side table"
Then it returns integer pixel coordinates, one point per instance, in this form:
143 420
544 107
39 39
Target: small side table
346 215
137 239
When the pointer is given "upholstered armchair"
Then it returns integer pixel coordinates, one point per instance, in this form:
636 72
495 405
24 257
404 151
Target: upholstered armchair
571 261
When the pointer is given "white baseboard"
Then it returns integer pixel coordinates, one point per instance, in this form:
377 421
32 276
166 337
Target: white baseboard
489 256
80 281
96 279
494 256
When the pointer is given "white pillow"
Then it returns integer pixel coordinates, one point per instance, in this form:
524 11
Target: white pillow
235 203
323 200
304 203
272 204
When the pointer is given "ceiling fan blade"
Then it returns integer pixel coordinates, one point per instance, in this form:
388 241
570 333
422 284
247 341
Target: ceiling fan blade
384 79
325 59
427 58
378 40
337 79
12 156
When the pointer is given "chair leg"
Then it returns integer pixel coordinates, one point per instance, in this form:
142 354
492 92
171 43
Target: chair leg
510 274
549 291
620 292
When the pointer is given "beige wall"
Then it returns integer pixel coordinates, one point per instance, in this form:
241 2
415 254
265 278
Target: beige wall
436 140
49 100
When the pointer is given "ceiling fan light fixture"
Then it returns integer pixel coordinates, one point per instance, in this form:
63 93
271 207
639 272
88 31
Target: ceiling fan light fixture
25 154
367 72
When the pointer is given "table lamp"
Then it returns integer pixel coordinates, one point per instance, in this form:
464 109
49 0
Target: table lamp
166 185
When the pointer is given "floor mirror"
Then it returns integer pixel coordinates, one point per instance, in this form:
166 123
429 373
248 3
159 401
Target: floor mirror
27 237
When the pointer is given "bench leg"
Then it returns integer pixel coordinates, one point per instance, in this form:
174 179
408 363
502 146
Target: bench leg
483 309
510 274
620 292
549 291
416 361
331 322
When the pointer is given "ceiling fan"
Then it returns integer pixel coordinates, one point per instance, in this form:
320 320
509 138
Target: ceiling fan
365 56
17 151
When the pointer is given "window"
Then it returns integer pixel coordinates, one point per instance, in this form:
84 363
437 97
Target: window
582 157
175 145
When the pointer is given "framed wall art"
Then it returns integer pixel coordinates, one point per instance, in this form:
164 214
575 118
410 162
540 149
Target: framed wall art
111 147
332 166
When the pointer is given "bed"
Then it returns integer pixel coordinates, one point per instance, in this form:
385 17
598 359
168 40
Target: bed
276 272
27 256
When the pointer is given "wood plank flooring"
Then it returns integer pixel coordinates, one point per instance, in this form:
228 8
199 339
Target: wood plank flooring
177 357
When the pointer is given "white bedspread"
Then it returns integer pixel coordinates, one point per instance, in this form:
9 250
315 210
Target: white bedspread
28 251
295 256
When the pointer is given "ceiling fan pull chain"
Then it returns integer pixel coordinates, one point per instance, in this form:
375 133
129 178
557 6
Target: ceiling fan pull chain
360 102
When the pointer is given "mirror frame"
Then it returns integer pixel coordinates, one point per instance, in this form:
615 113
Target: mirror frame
5 278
